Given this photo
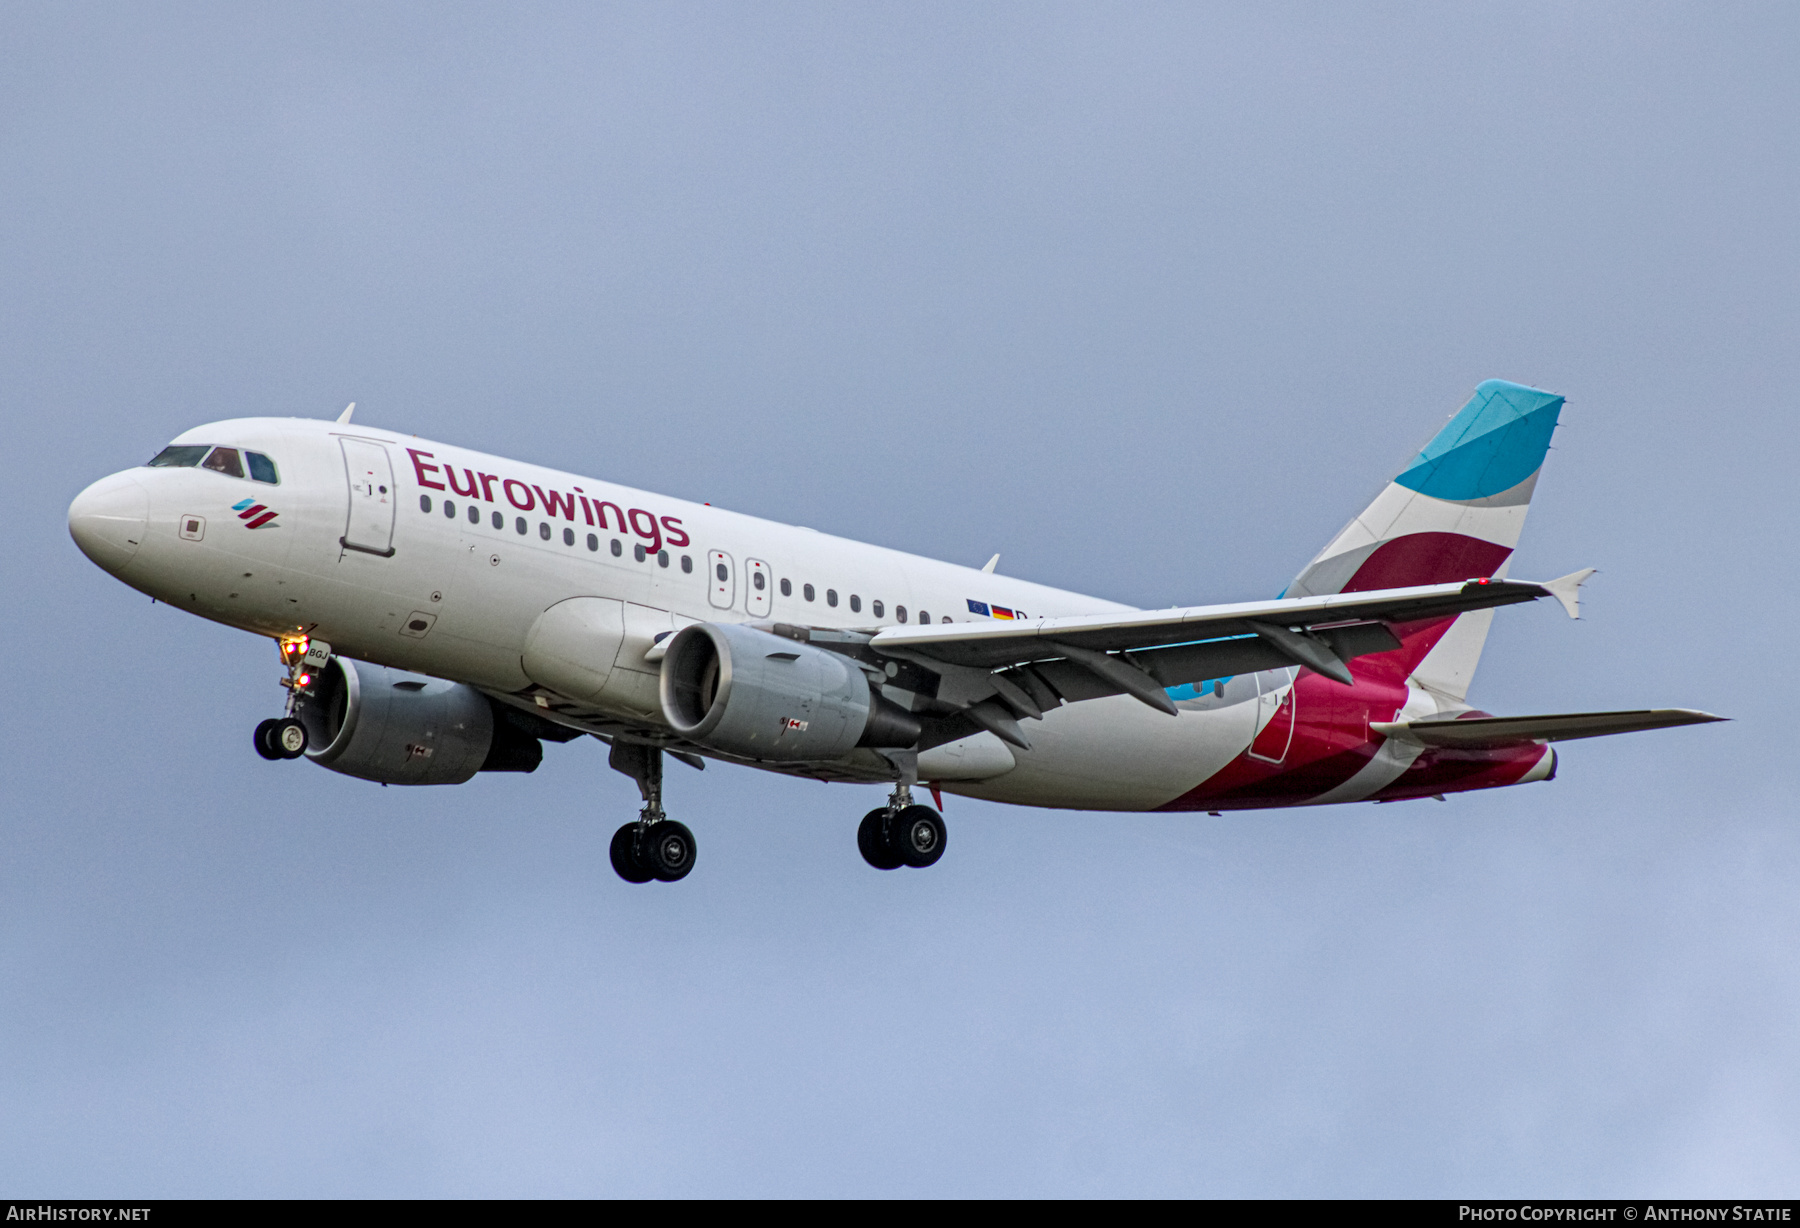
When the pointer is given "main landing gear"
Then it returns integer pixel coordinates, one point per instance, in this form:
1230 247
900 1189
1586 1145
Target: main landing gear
901 833
656 846
285 737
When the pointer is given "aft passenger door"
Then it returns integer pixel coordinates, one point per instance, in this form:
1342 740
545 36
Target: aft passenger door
370 527
723 580
1276 704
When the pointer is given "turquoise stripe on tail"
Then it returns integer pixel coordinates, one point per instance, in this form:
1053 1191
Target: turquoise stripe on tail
1492 444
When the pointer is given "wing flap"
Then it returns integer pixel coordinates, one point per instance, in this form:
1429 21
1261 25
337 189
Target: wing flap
1484 732
1192 663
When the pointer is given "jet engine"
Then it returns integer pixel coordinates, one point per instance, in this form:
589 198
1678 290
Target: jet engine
401 728
745 692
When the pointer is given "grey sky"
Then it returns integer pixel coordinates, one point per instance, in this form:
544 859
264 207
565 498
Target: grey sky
1149 300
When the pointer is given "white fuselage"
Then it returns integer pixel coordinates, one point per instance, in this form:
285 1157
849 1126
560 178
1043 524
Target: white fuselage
433 591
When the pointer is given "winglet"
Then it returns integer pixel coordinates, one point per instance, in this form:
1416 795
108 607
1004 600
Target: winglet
1566 589
989 569
348 410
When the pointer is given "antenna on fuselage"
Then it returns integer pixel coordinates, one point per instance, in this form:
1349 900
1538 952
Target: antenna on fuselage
990 565
348 410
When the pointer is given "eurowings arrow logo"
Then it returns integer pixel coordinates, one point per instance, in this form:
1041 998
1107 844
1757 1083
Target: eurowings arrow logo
254 514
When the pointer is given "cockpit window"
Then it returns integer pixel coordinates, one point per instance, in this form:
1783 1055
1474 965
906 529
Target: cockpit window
224 460
262 468
178 456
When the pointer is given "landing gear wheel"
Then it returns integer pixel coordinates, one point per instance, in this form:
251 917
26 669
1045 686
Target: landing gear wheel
668 850
873 847
288 737
918 835
264 737
624 861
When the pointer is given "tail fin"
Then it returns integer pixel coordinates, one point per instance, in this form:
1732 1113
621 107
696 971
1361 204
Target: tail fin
1455 513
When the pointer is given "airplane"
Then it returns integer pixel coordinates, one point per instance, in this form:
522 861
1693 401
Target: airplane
441 612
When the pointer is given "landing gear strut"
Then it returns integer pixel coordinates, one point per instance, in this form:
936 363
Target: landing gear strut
285 737
656 846
902 833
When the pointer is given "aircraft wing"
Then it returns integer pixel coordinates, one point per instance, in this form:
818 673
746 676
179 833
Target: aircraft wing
1483 732
995 644
1139 653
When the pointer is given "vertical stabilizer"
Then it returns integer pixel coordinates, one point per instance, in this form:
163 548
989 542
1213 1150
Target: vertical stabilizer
1454 513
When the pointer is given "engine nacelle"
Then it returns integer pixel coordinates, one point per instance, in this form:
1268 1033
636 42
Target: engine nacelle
745 692
398 728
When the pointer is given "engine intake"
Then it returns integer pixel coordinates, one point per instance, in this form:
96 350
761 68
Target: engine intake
745 692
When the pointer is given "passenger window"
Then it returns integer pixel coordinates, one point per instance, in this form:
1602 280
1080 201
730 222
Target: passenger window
876 606
787 588
184 457
593 542
449 510
900 612
662 558
687 564
806 591
568 537
855 604
543 530
924 617
474 514
638 552
617 550
519 525
721 572
225 461
831 597
756 578
499 520
424 503
943 618
262 468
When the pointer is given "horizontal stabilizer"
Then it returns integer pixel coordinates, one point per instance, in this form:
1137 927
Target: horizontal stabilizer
1482 732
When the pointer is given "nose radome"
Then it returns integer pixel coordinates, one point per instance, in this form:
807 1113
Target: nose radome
109 518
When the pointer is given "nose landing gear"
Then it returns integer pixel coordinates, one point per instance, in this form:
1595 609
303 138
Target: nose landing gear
285 737
656 846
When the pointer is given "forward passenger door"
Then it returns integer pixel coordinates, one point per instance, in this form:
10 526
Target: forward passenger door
370 526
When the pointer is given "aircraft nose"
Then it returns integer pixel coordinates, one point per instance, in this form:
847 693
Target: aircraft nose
109 518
